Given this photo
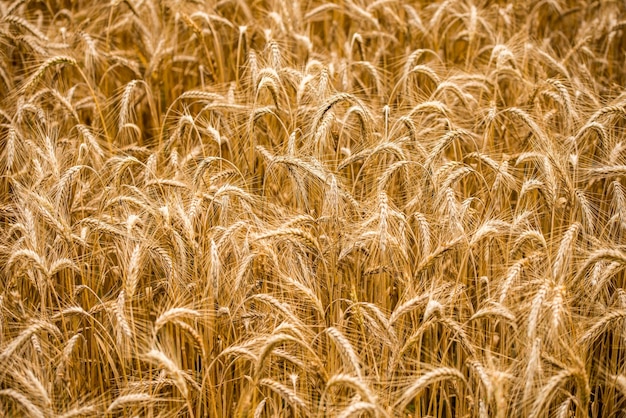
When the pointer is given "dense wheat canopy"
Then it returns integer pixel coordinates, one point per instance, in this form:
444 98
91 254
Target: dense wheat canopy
305 209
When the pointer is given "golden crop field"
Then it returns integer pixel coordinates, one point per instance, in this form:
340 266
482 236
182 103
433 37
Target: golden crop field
291 208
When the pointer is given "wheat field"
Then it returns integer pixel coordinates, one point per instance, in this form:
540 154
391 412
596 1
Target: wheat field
289 208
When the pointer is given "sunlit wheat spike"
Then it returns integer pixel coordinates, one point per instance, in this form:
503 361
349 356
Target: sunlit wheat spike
353 382
619 381
445 86
62 101
528 120
548 60
12 8
102 226
203 166
485 159
240 352
503 56
130 399
565 96
91 139
424 233
601 325
23 23
605 254
258 411
373 72
364 13
67 352
346 349
294 235
457 330
439 252
35 387
385 178
159 358
615 153
596 127
79 411
11 146
174 314
563 411
269 78
62 264
436 375
30 256
565 249
35 327
557 306
408 306
386 147
323 129
619 108
415 57
41 70
383 215
197 339
533 367
308 293
548 391
283 307
289 395
269 346
125 104
72 310
413 133
488 230
535 184
586 210
433 106
275 55
328 105
513 273
20 398
201 95
535 310
357 408
120 314
428 72
132 271
483 376
35 341
495 310
313 13
65 183
443 143
529 237
607 171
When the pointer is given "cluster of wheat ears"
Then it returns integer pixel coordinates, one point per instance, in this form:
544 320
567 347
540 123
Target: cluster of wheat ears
290 208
